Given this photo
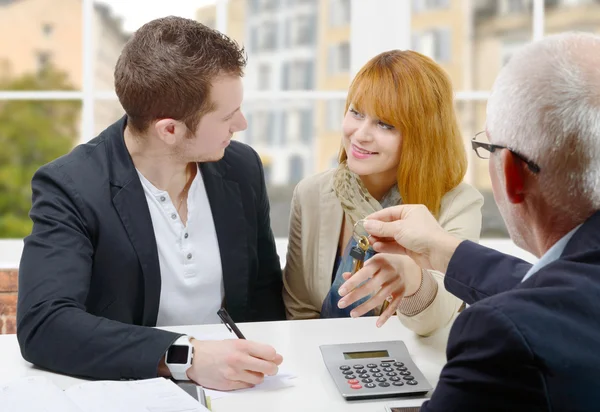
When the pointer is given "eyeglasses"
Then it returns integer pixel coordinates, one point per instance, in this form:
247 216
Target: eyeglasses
483 151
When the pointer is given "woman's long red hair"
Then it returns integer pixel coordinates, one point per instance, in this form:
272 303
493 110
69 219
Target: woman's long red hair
413 93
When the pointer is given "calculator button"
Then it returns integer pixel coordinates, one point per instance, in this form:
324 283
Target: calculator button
391 374
367 380
358 366
364 376
411 382
387 370
384 384
352 381
380 379
398 364
344 367
385 365
350 376
395 379
408 378
361 371
348 372
405 373
375 370
371 365
370 385
399 383
378 375
402 369
356 386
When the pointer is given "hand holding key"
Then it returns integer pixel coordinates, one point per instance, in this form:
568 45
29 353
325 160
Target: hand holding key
387 278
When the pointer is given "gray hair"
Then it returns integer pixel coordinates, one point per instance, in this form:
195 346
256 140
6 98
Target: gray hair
545 105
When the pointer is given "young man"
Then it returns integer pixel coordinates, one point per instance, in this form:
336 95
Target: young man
160 220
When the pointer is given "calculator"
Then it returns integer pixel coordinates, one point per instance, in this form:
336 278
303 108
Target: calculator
372 370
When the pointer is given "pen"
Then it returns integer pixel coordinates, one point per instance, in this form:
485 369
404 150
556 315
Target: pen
230 323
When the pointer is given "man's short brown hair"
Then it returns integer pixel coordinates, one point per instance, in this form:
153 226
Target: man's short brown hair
165 71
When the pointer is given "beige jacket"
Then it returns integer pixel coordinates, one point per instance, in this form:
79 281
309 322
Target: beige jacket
315 227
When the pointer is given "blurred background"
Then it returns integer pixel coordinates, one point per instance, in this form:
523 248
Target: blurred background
57 59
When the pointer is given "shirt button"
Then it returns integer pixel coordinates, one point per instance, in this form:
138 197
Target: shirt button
173 216
189 256
186 236
162 198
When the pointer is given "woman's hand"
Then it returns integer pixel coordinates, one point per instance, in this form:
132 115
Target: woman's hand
386 277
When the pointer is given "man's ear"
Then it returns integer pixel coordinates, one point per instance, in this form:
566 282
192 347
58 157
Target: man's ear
166 130
514 176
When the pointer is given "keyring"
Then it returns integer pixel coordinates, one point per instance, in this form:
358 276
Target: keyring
359 233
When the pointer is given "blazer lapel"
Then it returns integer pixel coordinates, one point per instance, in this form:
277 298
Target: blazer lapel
230 224
330 227
130 203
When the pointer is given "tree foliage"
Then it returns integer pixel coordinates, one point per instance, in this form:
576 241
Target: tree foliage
32 133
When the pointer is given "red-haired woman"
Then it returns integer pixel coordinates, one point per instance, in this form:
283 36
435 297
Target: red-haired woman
401 144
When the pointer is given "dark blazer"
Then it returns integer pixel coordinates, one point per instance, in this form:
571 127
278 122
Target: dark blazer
530 346
89 278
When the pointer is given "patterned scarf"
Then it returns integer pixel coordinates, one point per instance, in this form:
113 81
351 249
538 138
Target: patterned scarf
358 203
356 200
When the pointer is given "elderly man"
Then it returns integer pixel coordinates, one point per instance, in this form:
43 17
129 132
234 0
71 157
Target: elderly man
530 339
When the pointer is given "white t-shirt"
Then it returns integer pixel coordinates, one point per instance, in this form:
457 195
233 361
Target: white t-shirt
190 261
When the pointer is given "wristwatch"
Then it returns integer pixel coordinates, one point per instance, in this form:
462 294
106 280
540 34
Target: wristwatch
179 357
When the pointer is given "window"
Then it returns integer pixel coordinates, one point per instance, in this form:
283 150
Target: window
253 6
306 126
303 30
292 125
334 114
435 43
425 5
508 48
260 128
298 75
47 29
339 58
339 13
268 5
296 169
43 60
268 37
254 39
514 6
264 77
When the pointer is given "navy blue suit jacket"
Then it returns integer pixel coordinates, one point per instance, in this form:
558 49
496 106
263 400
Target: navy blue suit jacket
89 279
524 346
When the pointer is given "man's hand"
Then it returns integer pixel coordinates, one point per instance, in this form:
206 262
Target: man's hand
383 275
232 364
412 230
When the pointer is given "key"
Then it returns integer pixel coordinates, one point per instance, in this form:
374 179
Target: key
359 251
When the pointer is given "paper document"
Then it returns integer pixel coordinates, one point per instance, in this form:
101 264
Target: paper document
151 395
283 379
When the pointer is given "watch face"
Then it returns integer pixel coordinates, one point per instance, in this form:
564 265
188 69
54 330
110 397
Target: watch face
178 354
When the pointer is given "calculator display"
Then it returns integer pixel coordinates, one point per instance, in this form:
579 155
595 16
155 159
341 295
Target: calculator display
364 355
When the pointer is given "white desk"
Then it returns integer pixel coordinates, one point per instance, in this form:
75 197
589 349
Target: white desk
298 342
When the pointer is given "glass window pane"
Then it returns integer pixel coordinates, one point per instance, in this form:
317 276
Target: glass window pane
106 112
471 116
49 38
572 15
471 45
32 133
286 135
